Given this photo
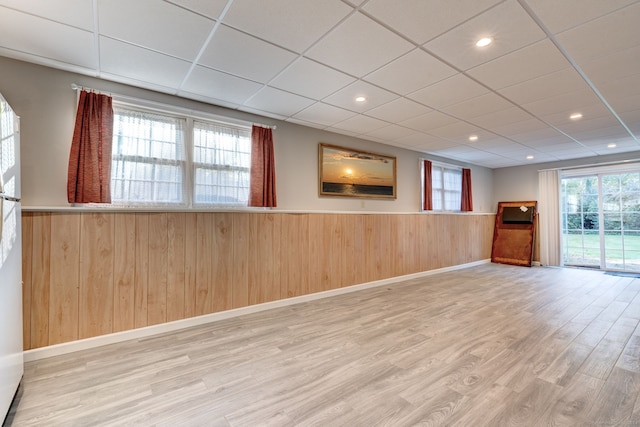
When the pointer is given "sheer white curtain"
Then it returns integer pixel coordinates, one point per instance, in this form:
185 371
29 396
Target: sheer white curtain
222 161
148 159
549 217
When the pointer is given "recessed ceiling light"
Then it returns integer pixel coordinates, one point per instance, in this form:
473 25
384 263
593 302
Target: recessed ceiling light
530 157
360 99
485 41
612 145
576 116
473 138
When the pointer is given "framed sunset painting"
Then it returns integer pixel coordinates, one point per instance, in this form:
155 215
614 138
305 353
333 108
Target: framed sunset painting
353 173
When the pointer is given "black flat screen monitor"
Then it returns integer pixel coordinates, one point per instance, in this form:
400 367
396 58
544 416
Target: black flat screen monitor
515 215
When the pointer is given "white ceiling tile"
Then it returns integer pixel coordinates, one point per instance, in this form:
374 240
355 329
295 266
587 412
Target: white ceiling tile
458 131
240 54
613 68
415 70
506 147
562 15
359 46
600 136
360 124
524 64
304 123
588 41
574 154
46 39
391 133
416 18
77 13
451 91
171 30
297 76
220 86
422 141
544 145
487 141
278 102
591 122
342 132
519 127
508 24
632 149
478 106
375 97
294 24
549 85
324 114
262 113
141 64
426 122
398 110
557 109
632 120
438 145
500 119
209 8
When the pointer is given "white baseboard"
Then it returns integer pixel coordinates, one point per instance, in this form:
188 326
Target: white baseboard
88 343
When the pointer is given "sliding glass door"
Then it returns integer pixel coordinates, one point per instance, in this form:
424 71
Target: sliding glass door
621 221
580 222
601 220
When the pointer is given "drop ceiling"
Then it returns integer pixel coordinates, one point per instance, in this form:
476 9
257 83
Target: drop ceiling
427 86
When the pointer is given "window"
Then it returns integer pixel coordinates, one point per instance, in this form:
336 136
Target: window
148 155
222 159
446 187
162 159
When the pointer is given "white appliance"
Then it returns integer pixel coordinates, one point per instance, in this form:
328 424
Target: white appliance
11 350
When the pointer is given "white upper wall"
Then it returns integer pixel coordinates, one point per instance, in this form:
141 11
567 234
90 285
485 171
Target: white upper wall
44 100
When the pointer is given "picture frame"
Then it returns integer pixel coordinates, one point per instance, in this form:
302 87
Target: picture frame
347 172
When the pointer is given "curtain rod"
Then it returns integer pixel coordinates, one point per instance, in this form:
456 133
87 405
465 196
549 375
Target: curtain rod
78 87
274 127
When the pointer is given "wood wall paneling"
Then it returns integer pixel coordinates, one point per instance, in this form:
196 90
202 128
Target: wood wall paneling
40 279
27 279
124 272
93 273
64 278
96 274
141 268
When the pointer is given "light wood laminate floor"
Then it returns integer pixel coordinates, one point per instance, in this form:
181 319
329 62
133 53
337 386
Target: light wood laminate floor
492 345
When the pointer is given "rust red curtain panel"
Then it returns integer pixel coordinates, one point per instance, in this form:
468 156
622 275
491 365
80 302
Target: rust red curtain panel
466 197
262 185
427 197
89 175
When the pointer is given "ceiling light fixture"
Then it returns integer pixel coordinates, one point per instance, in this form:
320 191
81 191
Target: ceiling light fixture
612 145
473 138
530 157
576 116
485 41
360 99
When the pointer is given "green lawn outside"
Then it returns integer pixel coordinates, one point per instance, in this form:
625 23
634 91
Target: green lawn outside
588 253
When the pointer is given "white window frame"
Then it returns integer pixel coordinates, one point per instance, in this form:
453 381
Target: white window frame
441 166
188 183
